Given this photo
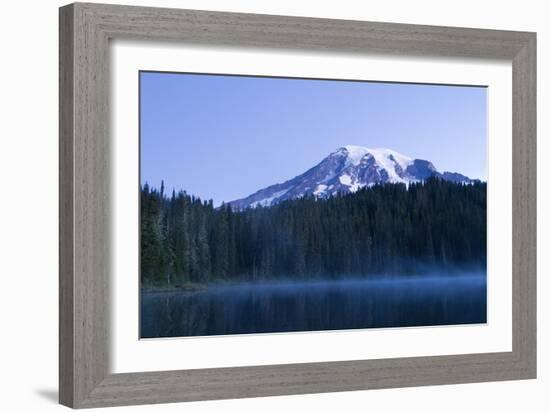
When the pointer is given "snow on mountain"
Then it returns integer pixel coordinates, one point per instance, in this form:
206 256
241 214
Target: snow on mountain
347 170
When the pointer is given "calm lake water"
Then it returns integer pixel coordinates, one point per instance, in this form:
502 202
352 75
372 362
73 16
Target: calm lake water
315 305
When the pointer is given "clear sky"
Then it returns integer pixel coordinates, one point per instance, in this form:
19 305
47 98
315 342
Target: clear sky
225 137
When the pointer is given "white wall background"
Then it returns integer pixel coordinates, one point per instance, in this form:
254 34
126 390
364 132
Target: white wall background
28 205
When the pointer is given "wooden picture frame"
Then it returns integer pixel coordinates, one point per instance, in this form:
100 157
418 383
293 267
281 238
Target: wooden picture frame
85 31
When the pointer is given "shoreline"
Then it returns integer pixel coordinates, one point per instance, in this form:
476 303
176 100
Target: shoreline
198 287
188 287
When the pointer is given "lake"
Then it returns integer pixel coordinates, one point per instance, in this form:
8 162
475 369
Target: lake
261 307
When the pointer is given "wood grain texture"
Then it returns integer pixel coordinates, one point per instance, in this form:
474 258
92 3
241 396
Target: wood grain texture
85 31
66 229
524 207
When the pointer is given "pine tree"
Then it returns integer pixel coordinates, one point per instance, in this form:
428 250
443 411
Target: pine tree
377 230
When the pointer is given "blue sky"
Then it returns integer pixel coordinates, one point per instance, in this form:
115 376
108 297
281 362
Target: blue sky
225 137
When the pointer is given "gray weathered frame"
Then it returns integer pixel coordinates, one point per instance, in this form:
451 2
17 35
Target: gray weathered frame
85 31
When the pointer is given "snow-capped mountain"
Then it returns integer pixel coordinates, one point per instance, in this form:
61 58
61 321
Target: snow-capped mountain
345 171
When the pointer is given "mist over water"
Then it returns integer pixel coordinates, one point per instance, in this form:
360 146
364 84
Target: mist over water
290 306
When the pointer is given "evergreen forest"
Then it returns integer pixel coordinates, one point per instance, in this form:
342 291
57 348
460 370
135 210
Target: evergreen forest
380 230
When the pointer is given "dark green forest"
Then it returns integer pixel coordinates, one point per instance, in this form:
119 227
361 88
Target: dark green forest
385 229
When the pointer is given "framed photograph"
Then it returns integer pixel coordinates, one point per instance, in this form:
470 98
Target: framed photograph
256 205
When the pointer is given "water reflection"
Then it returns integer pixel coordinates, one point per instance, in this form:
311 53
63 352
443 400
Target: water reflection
309 306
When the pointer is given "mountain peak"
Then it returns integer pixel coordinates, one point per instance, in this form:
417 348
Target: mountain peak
356 153
346 170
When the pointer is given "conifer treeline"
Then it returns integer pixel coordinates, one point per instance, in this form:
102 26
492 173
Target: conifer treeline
384 229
